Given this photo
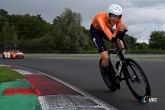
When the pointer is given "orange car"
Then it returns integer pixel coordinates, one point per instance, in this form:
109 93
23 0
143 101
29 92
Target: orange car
14 54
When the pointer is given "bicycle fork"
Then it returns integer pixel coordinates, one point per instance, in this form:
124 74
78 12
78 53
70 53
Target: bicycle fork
119 71
119 68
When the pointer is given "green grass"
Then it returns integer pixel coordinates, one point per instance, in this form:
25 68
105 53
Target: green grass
7 74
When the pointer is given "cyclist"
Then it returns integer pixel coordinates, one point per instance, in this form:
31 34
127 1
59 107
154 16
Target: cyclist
102 27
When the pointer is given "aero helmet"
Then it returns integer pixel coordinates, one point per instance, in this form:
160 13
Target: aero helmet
114 9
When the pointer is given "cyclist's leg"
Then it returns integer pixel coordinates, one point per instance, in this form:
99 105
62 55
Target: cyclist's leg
119 42
97 39
106 54
109 65
121 45
109 70
105 62
105 59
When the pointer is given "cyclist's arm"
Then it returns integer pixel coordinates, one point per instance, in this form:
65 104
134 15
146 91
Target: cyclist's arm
117 28
105 29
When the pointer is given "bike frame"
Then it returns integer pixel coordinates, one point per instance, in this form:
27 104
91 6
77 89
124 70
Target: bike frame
121 56
126 70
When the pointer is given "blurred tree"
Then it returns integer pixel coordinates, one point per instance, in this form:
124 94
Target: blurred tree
68 32
129 39
9 33
157 40
143 46
3 12
30 27
3 16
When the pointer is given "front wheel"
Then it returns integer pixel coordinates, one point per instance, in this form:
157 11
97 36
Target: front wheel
137 81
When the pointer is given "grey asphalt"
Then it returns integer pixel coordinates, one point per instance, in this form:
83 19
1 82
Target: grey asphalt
84 73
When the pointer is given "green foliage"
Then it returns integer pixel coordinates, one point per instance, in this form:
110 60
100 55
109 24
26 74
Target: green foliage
157 40
64 35
9 33
129 39
143 46
68 33
3 16
30 27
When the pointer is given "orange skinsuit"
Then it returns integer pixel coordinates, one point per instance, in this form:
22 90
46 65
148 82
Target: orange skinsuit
101 23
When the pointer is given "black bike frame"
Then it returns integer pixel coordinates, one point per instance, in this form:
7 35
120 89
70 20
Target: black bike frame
121 56
119 51
122 68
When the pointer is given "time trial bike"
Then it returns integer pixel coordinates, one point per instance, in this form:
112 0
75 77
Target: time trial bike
130 71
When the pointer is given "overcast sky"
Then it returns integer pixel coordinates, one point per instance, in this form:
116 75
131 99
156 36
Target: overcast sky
142 16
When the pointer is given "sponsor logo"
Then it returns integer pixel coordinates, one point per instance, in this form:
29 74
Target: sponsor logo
94 40
147 99
153 99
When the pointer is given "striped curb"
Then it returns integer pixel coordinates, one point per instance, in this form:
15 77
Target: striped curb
15 95
54 94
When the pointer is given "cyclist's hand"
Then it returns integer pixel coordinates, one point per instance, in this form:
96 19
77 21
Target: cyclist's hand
113 39
123 27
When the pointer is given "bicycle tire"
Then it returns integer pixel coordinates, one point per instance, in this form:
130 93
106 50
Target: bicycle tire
106 78
134 75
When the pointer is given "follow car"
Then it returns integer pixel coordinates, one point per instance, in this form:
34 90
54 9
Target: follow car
13 54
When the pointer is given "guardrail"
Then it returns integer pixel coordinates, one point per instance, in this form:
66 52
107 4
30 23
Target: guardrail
94 55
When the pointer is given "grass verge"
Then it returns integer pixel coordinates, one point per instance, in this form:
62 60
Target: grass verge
7 74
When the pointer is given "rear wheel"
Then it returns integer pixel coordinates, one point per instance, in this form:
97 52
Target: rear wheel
106 78
137 81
